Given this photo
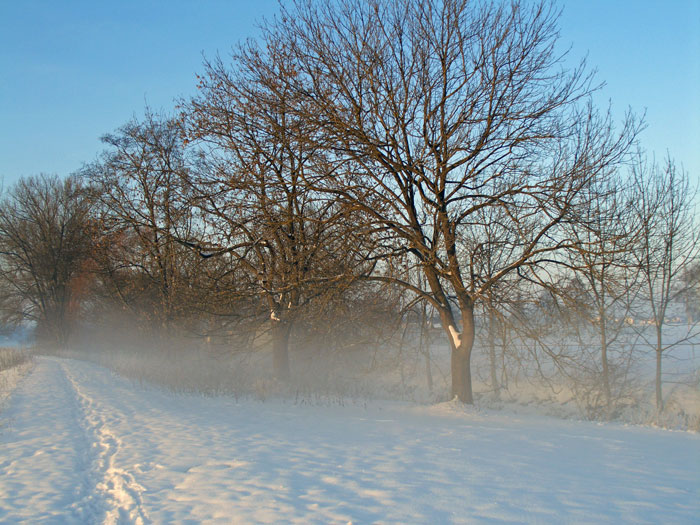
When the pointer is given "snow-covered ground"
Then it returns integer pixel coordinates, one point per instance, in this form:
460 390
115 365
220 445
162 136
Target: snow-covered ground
79 444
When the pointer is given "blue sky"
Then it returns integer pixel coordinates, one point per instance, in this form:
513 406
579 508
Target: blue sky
72 71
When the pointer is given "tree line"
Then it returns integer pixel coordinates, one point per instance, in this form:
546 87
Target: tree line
361 162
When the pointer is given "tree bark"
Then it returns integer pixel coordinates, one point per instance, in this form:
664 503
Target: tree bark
492 351
462 345
280 349
604 360
425 348
659 398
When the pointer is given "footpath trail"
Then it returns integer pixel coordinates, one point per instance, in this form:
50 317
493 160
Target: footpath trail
79 444
57 459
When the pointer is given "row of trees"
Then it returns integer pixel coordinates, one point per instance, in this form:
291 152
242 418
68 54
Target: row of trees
362 155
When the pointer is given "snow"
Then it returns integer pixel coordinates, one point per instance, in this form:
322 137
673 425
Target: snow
455 336
79 444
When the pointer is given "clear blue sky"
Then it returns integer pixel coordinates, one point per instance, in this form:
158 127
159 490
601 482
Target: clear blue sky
71 71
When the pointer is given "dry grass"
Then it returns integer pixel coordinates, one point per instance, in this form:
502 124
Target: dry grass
12 357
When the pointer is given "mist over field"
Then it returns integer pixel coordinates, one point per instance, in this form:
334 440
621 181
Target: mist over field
554 373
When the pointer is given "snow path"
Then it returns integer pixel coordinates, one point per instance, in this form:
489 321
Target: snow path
58 456
116 493
81 445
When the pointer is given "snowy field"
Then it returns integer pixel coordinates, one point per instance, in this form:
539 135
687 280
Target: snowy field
79 444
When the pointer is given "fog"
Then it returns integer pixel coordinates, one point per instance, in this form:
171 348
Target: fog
551 369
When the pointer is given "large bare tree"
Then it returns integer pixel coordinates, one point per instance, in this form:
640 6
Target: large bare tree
293 244
437 109
46 239
143 212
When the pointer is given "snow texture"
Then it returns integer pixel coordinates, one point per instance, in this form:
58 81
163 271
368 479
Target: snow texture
79 444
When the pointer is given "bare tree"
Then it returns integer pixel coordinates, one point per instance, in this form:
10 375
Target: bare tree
143 213
46 240
604 289
434 110
668 246
294 245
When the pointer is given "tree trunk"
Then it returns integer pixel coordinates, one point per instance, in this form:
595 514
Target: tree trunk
659 347
492 352
604 359
425 348
280 349
462 345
